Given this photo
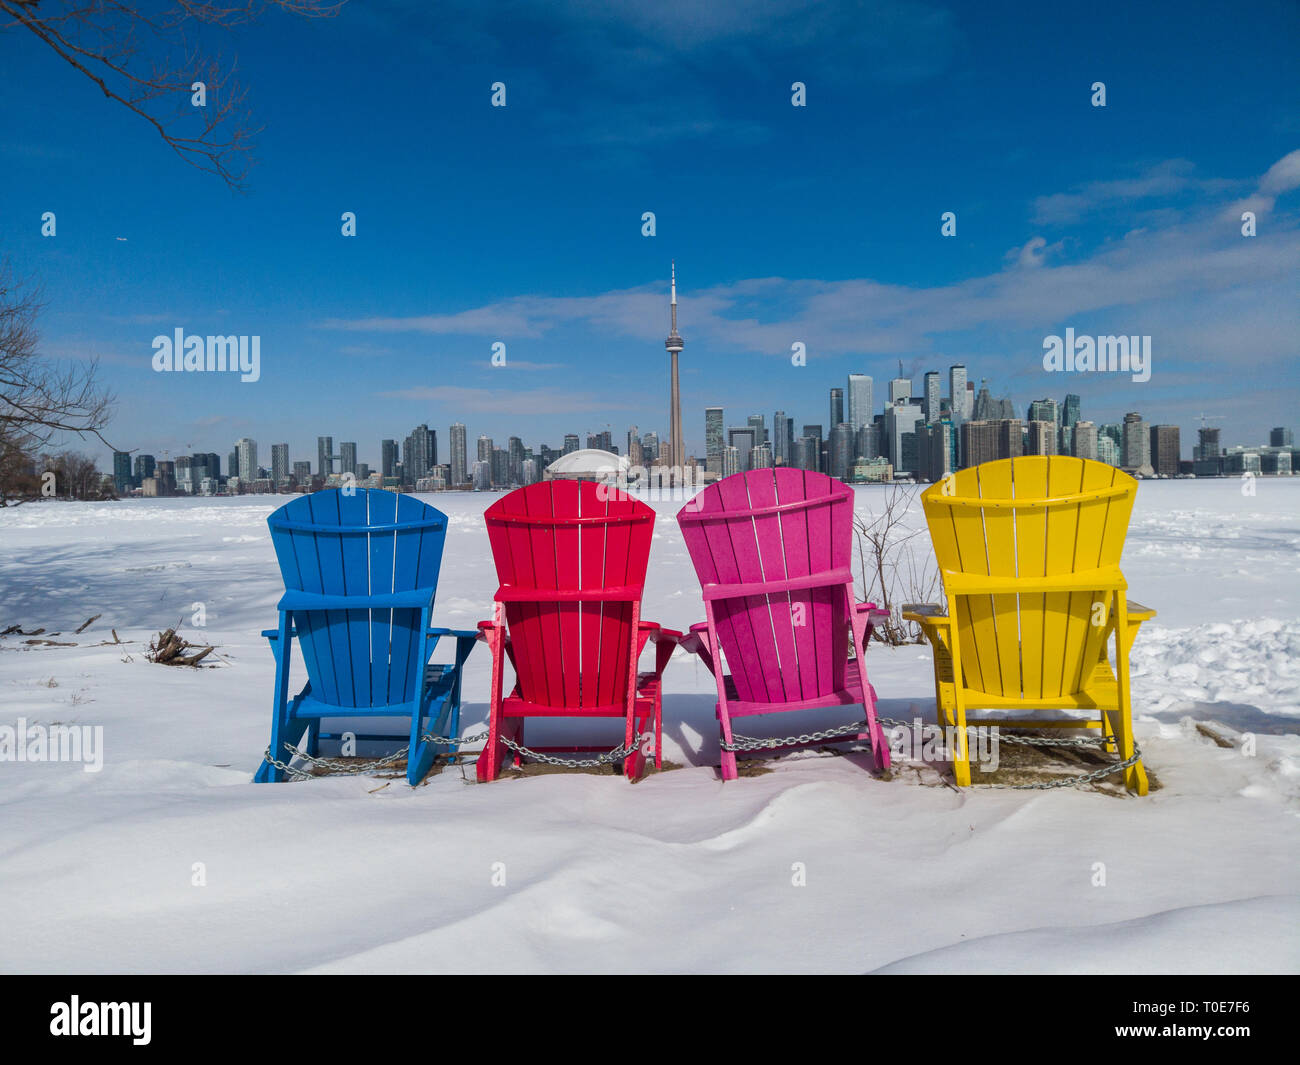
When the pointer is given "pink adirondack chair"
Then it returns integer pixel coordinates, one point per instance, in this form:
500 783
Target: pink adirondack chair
571 557
772 550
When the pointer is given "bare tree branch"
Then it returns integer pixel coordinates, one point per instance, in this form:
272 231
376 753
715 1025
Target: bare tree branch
100 39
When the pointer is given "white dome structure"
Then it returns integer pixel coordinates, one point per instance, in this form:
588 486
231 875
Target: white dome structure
588 464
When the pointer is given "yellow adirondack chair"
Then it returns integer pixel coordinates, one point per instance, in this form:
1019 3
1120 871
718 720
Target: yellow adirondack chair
1029 551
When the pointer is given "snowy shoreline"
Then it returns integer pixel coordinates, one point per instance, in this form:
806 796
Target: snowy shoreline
677 873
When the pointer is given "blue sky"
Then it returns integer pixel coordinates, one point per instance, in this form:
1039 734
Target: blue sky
818 224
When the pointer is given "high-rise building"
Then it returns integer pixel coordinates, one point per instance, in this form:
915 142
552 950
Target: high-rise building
713 440
1084 440
122 483
860 400
1136 443
842 441
900 388
144 467
782 438
246 449
347 457
1045 410
1041 438
759 424
866 443
570 444
744 439
515 450
232 463
837 407
935 450
985 441
730 460
901 419
815 431
302 474
1107 450
957 394
930 398
1165 450
500 467
806 453
279 465
674 345
388 456
419 454
1071 411
482 475
761 457
485 447
324 457
1280 436
459 467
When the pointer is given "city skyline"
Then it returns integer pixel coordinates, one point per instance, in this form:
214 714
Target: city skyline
528 298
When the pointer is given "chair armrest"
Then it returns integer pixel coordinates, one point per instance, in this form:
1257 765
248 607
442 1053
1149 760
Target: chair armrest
871 610
1138 612
460 634
274 634
926 613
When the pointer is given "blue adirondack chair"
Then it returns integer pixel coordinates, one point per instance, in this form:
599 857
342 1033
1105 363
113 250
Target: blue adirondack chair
360 569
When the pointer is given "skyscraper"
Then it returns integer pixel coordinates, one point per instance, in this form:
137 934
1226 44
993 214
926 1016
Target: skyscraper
1070 412
674 345
1281 436
900 388
347 457
1165 450
388 458
837 407
1135 444
121 472
144 467
713 442
302 473
759 424
570 444
860 400
957 393
782 438
842 451
485 447
246 449
279 465
744 439
1084 440
324 457
459 469
930 398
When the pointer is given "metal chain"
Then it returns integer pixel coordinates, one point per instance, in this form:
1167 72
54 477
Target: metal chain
751 743
334 766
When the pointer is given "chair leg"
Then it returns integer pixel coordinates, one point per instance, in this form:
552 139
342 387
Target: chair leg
961 755
729 771
1135 776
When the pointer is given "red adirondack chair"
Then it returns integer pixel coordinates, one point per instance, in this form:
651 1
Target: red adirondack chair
571 557
772 550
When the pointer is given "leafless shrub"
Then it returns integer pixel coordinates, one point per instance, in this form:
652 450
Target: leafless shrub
893 567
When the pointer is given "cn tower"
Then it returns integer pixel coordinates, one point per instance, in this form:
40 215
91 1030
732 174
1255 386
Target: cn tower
674 344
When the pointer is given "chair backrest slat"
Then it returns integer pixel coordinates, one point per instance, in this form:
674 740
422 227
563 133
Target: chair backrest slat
357 543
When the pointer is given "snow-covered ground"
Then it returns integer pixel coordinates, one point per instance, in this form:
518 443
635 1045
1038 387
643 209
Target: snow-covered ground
677 873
